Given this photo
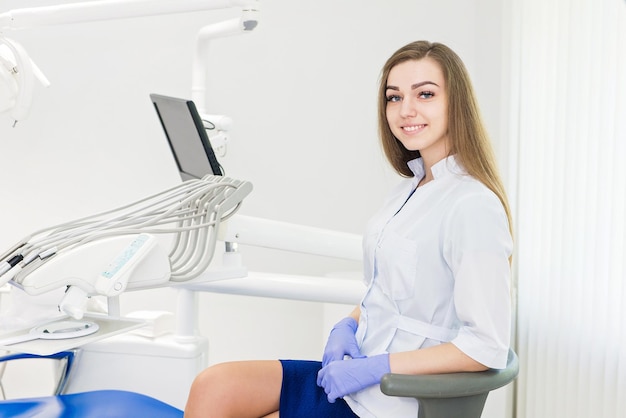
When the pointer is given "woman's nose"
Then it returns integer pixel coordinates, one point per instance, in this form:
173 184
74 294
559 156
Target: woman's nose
408 108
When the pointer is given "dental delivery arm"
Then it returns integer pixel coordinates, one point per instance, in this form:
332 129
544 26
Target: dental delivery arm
128 247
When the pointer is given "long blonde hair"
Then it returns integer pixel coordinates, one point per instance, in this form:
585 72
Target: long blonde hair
469 140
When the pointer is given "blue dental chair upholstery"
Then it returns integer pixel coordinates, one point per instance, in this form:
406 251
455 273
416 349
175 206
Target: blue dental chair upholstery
93 404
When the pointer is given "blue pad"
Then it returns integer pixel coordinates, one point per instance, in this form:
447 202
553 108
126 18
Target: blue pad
96 404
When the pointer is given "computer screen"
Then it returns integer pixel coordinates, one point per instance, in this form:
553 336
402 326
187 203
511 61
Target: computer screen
186 136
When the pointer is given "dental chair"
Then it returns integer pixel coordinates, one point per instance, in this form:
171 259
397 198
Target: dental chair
453 395
92 404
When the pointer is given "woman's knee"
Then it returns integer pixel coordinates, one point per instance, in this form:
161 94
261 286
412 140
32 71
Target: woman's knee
213 381
220 389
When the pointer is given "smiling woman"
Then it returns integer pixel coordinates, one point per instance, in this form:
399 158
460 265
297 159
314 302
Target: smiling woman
467 136
436 265
417 110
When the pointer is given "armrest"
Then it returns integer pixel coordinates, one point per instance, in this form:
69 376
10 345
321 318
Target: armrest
68 356
450 385
452 395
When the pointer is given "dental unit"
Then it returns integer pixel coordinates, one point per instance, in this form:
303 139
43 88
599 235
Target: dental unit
185 237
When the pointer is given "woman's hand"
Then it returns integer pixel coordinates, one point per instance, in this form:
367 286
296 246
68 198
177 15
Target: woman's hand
342 342
340 378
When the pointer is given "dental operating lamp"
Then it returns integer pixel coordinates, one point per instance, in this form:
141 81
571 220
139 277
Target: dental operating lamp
17 73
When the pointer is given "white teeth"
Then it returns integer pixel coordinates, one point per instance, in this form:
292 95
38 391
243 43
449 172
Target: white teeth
412 128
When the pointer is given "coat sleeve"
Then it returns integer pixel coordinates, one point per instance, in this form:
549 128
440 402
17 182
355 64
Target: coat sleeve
477 248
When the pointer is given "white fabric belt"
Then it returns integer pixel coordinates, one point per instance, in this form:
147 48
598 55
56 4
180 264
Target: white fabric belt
425 329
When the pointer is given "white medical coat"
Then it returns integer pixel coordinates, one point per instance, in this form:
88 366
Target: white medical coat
436 266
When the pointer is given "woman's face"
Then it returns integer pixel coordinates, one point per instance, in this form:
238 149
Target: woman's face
417 108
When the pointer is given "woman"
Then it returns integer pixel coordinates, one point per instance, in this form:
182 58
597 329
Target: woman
436 264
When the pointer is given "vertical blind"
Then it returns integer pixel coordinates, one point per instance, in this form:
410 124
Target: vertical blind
568 114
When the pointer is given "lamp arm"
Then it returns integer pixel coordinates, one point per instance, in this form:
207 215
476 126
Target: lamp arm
108 10
200 68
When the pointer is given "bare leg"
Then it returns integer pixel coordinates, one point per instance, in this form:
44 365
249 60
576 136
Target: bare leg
244 389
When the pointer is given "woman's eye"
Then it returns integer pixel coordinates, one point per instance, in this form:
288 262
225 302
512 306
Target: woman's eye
426 95
393 98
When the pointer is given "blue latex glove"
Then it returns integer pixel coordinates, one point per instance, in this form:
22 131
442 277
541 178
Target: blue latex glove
340 378
341 342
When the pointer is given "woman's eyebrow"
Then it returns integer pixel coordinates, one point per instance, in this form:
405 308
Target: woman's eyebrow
415 86
423 83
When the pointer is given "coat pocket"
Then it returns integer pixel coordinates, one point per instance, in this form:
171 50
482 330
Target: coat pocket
397 261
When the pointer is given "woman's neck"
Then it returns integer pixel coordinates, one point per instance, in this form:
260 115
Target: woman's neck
428 173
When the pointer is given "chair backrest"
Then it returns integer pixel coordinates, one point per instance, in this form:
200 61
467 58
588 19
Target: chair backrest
453 395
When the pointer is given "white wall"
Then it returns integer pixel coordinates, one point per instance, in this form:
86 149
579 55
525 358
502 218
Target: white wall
301 89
